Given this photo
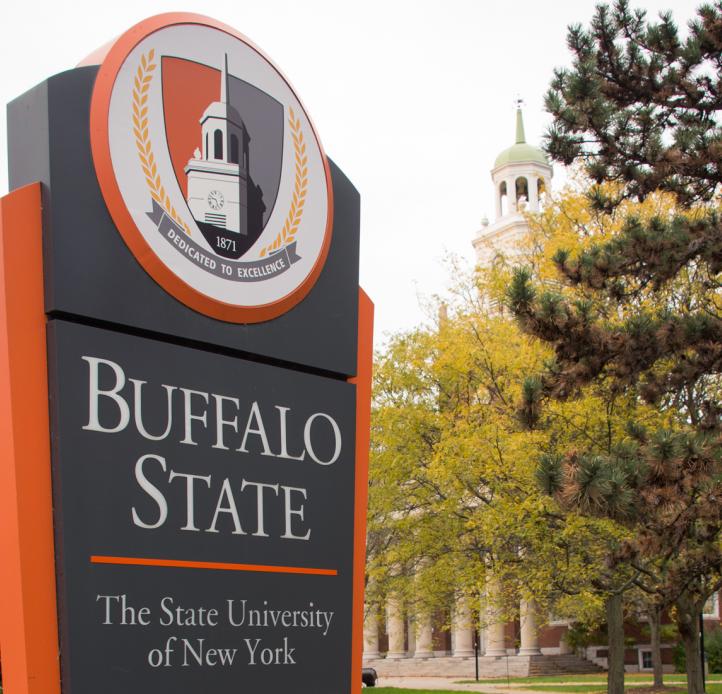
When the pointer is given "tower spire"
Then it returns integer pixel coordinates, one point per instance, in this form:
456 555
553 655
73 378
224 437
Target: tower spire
520 139
224 80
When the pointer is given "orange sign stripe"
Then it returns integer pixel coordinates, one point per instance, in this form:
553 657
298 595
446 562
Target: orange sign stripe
185 564
363 433
28 608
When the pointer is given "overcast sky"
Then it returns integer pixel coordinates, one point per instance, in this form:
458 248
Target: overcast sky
412 99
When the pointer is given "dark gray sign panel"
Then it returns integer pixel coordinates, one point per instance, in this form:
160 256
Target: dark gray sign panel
203 510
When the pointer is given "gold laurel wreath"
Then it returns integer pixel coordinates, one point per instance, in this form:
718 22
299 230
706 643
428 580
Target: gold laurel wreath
141 84
288 234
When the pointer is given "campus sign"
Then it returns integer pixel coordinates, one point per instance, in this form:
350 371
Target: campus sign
186 379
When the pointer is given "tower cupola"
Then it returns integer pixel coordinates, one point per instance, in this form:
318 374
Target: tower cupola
522 177
521 174
224 135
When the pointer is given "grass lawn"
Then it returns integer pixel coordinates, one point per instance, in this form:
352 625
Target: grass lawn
630 678
576 688
712 688
581 688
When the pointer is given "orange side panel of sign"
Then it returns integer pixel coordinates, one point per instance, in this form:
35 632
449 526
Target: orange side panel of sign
363 432
28 614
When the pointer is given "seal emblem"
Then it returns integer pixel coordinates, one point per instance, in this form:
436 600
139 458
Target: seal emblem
210 168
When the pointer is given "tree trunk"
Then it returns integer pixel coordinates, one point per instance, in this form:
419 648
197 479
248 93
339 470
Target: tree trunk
615 642
688 625
655 620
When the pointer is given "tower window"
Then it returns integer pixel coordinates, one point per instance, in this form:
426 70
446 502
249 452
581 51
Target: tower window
542 191
503 199
207 154
218 144
234 149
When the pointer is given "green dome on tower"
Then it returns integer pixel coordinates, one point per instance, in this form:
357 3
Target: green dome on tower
520 151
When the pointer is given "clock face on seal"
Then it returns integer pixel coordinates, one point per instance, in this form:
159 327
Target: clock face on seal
215 200
211 169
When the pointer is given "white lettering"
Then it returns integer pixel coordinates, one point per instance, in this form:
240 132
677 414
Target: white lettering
288 535
138 410
95 392
284 445
220 422
152 491
309 445
260 486
189 416
260 430
190 495
230 508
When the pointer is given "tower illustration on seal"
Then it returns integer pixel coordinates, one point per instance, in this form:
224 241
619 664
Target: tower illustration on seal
218 176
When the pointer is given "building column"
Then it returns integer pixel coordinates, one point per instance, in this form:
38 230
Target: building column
533 188
495 635
497 189
463 629
495 639
529 634
395 627
371 636
482 640
424 637
511 194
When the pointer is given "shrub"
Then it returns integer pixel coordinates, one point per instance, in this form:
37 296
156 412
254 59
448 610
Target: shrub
713 649
712 652
579 636
679 658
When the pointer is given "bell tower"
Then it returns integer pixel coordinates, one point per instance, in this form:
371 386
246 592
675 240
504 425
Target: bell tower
218 173
521 177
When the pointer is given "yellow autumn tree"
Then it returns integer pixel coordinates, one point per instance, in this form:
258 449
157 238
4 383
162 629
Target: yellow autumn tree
457 506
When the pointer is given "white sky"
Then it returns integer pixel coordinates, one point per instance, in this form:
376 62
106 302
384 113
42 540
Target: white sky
413 99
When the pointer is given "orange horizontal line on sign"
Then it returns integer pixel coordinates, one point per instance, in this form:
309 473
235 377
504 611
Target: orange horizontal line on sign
218 565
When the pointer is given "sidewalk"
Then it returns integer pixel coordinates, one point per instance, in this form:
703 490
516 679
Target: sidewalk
447 683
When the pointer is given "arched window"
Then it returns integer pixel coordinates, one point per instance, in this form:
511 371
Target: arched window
206 154
503 199
218 144
234 149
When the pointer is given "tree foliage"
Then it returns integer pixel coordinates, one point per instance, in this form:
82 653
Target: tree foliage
639 103
458 498
639 109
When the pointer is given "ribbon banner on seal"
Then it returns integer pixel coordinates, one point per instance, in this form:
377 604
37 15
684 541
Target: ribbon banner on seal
235 270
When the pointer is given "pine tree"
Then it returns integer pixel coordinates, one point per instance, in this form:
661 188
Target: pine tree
638 108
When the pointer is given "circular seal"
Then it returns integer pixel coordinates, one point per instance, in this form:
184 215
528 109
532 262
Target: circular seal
211 168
